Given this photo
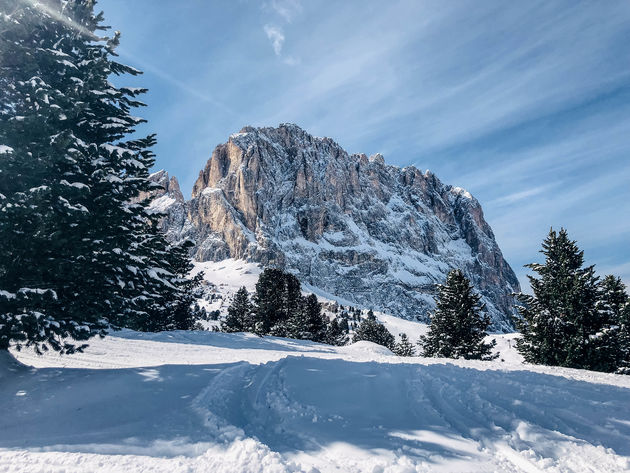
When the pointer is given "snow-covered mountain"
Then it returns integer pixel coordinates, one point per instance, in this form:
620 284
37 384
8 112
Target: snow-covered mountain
352 226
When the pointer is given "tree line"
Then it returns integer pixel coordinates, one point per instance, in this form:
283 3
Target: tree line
278 308
572 318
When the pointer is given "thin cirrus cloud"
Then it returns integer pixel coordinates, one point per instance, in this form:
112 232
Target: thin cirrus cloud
276 37
514 197
525 104
287 9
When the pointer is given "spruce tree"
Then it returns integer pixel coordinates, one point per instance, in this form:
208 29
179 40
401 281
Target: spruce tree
404 346
335 334
560 322
613 347
180 307
79 253
240 317
623 364
277 298
458 325
372 331
307 323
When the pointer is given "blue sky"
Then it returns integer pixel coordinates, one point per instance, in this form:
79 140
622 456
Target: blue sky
525 104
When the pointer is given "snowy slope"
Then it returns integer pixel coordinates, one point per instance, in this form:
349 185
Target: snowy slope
211 402
228 275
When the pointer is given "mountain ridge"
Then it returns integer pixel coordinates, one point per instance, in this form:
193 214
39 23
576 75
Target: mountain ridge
352 225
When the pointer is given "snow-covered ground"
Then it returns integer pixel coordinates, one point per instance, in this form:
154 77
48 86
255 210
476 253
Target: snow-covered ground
202 401
212 402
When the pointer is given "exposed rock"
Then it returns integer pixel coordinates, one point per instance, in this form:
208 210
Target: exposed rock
374 234
168 199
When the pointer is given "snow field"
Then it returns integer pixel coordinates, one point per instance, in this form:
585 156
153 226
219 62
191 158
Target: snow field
202 401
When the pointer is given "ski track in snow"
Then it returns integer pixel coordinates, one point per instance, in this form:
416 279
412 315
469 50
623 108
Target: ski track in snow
211 402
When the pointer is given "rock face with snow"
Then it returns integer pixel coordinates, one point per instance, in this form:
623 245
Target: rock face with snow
169 200
352 226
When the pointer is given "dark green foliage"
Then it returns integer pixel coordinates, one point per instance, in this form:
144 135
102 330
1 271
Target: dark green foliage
174 307
79 252
343 325
561 323
335 334
277 297
613 341
624 340
404 347
182 309
372 331
240 314
308 322
458 325
279 309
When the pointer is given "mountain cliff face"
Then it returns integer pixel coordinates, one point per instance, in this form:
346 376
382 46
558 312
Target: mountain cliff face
352 226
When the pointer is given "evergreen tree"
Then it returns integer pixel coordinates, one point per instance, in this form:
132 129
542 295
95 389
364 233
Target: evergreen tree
560 322
458 325
343 325
372 331
404 346
614 340
277 298
623 364
240 314
80 253
335 335
174 307
308 323
268 300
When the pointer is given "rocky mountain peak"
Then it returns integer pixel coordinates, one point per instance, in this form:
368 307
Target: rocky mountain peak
354 227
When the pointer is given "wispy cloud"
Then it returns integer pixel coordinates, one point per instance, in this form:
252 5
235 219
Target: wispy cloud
276 36
525 105
521 195
287 9
174 81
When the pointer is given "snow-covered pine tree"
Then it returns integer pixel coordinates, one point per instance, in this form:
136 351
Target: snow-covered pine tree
560 322
268 300
458 325
372 331
277 298
335 334
78 253
239 318
614 341
343 325
308 323
404 347
179 310
624 340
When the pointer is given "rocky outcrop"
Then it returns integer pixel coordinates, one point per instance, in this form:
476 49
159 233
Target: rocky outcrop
167 198
376 235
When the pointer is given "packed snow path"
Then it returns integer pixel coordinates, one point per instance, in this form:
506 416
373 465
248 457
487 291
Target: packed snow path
208 402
